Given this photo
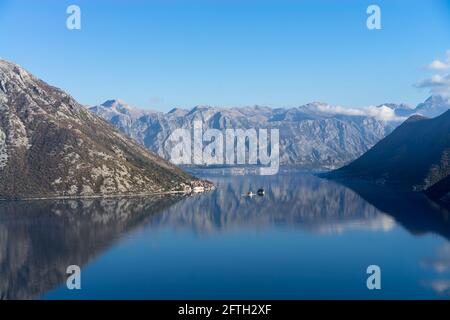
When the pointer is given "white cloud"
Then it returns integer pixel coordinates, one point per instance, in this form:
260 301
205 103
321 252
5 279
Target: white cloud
382 113
440 65
439 83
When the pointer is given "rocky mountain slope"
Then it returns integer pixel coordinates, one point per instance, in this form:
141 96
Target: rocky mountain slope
313 136
51 146
415 156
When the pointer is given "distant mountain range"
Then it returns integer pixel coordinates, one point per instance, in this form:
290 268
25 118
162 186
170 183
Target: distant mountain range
51 146
415 156
313 136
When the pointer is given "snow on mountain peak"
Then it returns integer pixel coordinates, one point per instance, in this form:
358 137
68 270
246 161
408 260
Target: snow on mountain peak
116 104
119 108
433 106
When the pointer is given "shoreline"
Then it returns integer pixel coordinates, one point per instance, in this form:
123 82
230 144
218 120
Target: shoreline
81 197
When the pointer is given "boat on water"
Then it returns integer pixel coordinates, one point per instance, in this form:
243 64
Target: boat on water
261 192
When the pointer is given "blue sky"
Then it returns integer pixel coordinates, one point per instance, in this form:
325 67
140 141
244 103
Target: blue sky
164 54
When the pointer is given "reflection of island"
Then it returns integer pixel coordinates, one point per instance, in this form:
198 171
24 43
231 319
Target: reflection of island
307 202
39 239
302 201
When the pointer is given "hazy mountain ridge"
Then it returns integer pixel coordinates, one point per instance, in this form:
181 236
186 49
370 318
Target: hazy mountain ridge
51 146
310 136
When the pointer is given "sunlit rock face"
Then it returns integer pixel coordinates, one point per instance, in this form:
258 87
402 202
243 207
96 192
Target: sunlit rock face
51 146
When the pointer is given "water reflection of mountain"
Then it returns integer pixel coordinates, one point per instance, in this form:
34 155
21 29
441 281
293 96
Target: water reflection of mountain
413 210
418 214
39 239
302 201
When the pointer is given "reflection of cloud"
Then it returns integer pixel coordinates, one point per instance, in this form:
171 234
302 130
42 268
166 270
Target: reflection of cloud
441 262
440 286
380 223
382 113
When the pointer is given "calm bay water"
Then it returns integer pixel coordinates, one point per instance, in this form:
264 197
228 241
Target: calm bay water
306 238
